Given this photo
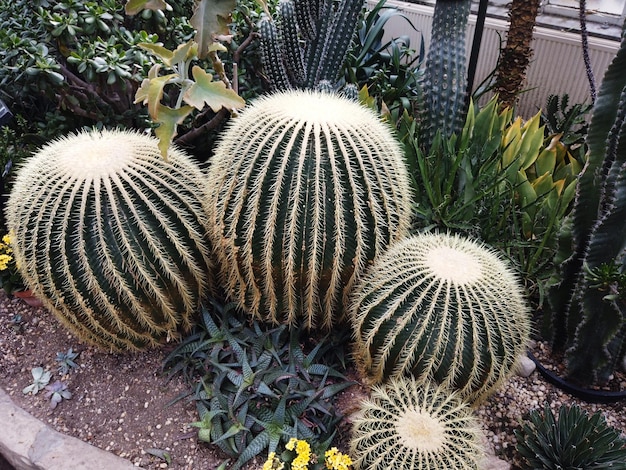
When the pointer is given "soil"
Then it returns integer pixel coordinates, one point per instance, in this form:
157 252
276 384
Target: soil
125 403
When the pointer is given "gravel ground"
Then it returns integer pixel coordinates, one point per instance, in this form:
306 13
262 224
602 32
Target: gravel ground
122 403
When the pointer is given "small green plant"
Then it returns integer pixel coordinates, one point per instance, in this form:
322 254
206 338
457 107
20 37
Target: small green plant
407 425
41 378
441 308
66 361
57 392
255 386
573 440
298 455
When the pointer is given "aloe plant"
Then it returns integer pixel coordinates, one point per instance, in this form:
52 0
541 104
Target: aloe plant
408 425
587 319
306 188
307 42
440 308
111 237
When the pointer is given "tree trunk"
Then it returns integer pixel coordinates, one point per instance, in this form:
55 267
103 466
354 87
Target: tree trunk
516 55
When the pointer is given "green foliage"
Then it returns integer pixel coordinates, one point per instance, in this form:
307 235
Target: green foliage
570 121
573 440
441 308
255 386
41 378
301 200
407 425
57 392
390 68
307 42
66 361
111 237
586 321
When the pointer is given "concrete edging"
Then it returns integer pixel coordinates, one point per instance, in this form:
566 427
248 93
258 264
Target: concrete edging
29 444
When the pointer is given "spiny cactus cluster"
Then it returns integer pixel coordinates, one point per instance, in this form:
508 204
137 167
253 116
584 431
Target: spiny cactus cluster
112 237
408 425
308 41
307 188
441 308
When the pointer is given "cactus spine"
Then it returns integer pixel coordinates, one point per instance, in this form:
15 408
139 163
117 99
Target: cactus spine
442 308
444 83
588 309
112 237
308 42
409 425
306 189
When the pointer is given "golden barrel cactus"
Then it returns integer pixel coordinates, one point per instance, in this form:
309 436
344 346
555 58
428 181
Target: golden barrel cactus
112 237
441 308
306 188
406 425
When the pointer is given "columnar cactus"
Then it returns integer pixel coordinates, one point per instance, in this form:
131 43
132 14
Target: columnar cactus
112 237
445 81
308 42
588 317
306 188
409 425
442 308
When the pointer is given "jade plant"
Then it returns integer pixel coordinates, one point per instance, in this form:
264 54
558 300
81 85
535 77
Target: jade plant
441 308
409 425
570 440
306 189
587 317
112 237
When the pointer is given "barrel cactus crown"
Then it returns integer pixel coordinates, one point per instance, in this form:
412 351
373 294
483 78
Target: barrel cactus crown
407 425
306 188
443 308
112 237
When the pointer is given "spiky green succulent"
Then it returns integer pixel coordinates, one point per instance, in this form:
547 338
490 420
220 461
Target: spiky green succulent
306 189
410 425
571 440
441 308
112 237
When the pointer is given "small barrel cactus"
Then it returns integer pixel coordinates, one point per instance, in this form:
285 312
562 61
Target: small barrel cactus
408 425
112 237
306 189
442 308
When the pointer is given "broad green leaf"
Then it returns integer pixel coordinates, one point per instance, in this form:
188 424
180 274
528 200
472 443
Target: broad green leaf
135 6
168 119
151 92
211 19
213 93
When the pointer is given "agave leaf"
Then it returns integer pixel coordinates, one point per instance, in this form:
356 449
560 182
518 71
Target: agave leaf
211 19
546 161
213 93
256 446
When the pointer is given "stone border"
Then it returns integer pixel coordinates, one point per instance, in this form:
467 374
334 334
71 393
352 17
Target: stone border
28 444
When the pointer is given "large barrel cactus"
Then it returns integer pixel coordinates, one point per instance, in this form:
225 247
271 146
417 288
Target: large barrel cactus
306 188
112 237
407 425
443 308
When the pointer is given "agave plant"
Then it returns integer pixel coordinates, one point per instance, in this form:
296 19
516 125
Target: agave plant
112 237
409 425
570 441
306 189
440 308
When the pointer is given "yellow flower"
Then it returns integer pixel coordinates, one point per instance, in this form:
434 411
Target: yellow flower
4 261
6 239
273 463
303 453
335 460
